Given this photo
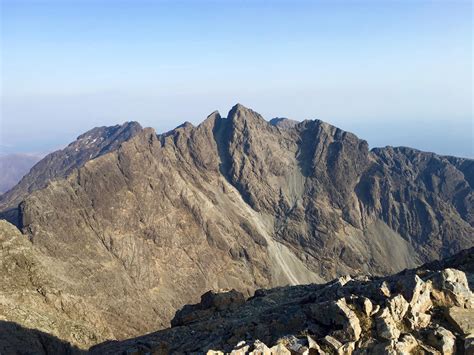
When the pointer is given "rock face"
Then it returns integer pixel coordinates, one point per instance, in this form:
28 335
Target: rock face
133 225
36 293
361 315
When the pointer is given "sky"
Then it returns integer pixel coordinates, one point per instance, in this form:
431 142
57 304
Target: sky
393 72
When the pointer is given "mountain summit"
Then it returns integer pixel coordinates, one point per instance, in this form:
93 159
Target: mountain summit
125 226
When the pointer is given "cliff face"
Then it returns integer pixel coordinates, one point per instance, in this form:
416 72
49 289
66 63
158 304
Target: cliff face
144 223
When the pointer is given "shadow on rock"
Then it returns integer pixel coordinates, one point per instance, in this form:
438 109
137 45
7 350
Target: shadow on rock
15 339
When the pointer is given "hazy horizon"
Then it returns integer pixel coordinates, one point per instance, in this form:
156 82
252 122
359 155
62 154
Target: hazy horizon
395 73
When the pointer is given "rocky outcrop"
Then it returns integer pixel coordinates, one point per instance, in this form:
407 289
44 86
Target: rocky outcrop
408 313
139 224
211 302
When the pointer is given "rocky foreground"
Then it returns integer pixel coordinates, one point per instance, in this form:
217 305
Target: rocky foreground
429 310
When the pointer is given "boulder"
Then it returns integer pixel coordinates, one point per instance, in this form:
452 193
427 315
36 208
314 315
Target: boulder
259 348
347 348
211 302
455 289
332 343
280 349
240 349
398 307
386 325
419 299
365 305
442 339
385 289
338 313
222 300
296 345
462 319
405 344
314 348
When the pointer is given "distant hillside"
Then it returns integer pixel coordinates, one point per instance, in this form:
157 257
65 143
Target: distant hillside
13 167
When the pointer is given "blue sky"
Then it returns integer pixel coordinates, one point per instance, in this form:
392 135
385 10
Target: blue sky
393 72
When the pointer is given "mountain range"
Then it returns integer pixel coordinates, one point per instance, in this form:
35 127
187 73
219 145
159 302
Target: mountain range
109 237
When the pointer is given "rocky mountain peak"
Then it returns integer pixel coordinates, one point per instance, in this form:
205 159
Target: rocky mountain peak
89 145
238 108
283 122
213 114
211 119
104 132
240 114
186 125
